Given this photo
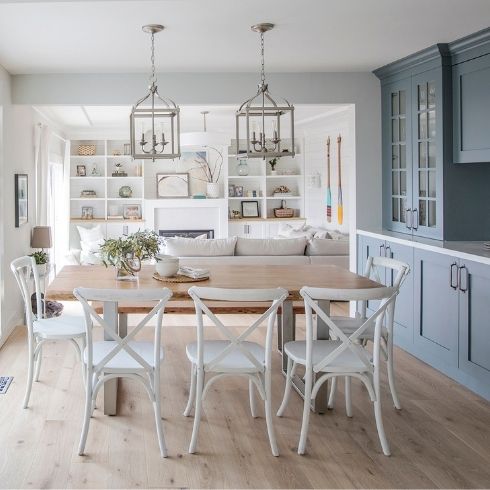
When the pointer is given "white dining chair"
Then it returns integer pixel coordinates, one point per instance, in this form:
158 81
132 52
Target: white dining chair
41 330
344 356
123 357
375 269
233 355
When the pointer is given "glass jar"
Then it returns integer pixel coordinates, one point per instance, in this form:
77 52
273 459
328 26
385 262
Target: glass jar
242 168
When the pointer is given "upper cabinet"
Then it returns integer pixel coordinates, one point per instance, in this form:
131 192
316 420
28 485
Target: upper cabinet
425 192
471 98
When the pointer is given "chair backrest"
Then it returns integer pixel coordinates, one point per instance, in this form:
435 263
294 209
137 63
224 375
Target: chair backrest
159 296
311 297
22 268
236 342
375 266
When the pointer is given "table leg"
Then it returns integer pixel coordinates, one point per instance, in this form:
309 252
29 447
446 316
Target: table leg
110 387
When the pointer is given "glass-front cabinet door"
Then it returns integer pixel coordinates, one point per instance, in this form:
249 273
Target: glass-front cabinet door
427 155
397 156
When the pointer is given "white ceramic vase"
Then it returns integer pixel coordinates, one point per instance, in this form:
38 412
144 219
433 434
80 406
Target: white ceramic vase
212 189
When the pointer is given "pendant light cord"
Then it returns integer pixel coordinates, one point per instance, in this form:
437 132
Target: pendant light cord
262 51
153 77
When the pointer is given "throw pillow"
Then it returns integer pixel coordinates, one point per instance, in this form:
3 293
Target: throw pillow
266 246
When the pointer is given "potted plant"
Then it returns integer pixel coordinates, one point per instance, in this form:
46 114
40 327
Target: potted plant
42 258
127 253
273 164
210 171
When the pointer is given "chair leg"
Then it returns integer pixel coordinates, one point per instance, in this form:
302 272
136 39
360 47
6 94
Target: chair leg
391 375
192 391
251 395
197 414
331 397
348 399
158 415
86 417
268 413
38 364
84 372
377 414
30 375
291 368
306 412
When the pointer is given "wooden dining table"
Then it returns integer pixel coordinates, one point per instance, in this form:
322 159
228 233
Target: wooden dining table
290 277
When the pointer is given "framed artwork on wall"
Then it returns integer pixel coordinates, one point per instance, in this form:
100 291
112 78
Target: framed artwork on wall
132 211
21 200
172 185
250 209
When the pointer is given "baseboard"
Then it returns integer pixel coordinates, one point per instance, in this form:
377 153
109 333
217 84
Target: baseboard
11 323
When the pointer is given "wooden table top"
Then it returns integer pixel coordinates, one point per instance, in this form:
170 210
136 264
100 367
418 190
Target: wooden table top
290 277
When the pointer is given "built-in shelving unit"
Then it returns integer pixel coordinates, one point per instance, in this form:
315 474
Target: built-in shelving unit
98 169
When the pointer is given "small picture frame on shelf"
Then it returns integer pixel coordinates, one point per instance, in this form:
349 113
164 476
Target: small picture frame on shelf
231 190
172 185
81 171
239 191
87 212
250 209
132 211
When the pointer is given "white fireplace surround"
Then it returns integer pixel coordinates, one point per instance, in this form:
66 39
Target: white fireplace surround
186 214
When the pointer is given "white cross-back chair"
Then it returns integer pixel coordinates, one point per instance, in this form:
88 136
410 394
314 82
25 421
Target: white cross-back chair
345 356
41 330
375 269
123 357
234 355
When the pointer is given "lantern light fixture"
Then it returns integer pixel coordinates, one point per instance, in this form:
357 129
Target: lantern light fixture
154 120
263 120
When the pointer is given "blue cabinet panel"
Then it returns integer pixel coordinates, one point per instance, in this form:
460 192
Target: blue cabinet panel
471 111
372 247
436 307
474 320
403 330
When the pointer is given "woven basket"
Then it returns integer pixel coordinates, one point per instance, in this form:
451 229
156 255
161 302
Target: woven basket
283 212
86 150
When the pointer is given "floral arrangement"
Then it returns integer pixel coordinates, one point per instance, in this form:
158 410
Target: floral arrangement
41 257
211 171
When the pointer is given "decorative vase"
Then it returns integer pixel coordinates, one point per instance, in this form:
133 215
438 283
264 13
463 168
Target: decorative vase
273 172
130 272
125 191
242 168
212 189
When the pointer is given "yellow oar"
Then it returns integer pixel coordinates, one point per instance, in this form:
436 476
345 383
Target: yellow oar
340 208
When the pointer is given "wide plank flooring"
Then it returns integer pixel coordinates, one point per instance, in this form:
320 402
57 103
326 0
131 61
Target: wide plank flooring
441 438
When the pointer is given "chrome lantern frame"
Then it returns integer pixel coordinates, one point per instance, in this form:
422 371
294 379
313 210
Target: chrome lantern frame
153 109
263 107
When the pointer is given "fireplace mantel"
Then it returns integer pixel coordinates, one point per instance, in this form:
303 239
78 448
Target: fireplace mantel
187 214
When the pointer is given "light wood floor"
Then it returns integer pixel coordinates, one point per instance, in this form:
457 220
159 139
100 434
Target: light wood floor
441 438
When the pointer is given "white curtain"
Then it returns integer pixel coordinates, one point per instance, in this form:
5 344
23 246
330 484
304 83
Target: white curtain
43 137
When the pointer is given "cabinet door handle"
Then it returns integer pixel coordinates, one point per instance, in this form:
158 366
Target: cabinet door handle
408 218
388 252
381 247
451 275
416 219
460 276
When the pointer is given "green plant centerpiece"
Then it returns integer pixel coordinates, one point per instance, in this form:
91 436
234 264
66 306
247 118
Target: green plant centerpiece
41 257
273 164
127 253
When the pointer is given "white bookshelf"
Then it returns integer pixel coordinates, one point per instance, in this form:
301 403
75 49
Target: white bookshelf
107 200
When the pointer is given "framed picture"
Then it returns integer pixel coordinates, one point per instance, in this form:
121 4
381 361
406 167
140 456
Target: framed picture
250 209
172 185
132 211
239 191
87 212
81 171
21 200
231 190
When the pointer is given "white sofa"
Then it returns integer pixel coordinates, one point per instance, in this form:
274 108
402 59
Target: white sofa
267 251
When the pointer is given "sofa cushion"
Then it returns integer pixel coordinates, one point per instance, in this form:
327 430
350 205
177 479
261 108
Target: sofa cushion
191 247
327 246
269 246
246 260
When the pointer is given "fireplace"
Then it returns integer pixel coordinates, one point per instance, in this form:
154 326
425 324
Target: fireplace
186 233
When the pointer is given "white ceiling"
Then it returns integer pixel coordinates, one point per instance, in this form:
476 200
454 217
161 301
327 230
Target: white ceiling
214 35
75 119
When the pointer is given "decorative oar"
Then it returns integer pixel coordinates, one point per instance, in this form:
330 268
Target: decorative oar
328 197
340 209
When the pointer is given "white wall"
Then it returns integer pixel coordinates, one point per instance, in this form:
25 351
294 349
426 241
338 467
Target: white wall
315 134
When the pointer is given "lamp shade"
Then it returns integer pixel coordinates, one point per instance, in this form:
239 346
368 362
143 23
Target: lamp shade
41 237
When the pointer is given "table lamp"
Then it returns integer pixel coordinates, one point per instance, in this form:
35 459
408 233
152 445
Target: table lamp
41 237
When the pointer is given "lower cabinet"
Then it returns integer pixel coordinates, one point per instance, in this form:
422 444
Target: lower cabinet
474 320
246 229
436 307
